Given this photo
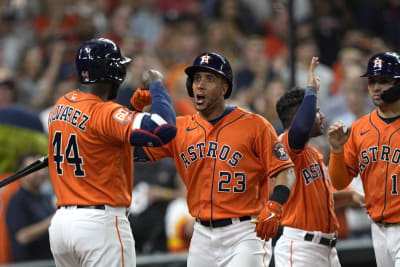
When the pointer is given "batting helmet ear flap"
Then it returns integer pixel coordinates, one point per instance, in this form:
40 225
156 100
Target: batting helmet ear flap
189 85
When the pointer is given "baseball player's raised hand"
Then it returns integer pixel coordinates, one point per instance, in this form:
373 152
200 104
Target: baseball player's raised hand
149 76
140 99
268 220
338 136
312 80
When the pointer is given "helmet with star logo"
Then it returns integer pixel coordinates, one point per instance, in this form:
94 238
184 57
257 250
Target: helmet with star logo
385 64
210 61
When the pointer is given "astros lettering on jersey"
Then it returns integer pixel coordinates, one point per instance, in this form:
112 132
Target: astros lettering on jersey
376 155
313 188
225 166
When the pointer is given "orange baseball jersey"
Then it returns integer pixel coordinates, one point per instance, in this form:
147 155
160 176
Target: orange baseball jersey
90 157
310 205
224 166
373 151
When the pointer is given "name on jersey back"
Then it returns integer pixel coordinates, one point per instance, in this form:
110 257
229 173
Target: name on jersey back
69 114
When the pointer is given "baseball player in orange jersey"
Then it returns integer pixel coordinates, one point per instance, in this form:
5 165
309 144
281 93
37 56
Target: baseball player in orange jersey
371 148
224 156
91 144
308 219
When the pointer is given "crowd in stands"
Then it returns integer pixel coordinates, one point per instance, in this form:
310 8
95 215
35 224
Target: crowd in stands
39 39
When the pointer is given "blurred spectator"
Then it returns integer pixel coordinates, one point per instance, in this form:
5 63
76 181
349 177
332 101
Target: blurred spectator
264 102
119 23
150 198
20 133
218 40
178 222
35 79
28 216
146 23
305 50
254 71
352 101
8 92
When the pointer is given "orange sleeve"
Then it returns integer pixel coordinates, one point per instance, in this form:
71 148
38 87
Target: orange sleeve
338 173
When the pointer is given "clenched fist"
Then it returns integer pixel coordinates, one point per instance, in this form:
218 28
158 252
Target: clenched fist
140 99
149 76
268 220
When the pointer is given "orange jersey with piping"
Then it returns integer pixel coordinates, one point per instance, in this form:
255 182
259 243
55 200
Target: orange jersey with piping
310 205
225 166
373 151
90 157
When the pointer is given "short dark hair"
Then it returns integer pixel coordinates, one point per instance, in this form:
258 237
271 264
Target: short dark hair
287 105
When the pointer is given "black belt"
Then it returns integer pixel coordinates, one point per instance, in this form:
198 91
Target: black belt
330 242
222 222
386 224
97 207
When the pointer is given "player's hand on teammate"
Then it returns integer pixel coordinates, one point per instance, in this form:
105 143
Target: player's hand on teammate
149 76
140 99
313 81
358 199
268 220
338 135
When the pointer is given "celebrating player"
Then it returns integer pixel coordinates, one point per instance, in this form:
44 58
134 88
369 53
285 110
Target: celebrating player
370 147
224 156
307 237
91 144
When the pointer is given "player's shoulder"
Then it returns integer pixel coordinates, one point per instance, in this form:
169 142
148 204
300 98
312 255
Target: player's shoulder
363 121
253 118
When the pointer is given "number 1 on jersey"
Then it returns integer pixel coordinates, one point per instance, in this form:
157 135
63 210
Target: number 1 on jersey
72 148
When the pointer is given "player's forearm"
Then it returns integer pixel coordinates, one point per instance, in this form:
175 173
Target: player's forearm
303 122
161 102
283 185
338 173
32 232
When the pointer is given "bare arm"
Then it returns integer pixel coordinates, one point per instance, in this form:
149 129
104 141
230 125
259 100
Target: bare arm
348 198
286 178
33 232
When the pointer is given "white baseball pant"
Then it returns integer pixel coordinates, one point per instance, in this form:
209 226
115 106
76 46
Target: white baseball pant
92 237
228 246
386 242
293 250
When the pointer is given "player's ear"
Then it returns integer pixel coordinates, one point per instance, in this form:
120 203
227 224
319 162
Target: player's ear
225 87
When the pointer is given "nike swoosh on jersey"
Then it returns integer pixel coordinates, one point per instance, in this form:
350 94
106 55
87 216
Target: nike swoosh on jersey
362 133
190 129
269 217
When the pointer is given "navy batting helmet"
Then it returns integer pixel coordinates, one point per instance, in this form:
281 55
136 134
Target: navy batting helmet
387 65
384 64
100 60
210 61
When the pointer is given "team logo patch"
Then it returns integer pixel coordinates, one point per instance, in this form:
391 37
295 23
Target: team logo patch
280 151
205 58
378 63
123 116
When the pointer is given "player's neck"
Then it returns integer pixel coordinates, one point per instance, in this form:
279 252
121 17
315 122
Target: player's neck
100 90
389 110
213 113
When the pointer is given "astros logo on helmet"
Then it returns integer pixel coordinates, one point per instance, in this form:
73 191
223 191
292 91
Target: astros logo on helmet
205 58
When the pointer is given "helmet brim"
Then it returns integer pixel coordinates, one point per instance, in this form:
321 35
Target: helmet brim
190 71
125 60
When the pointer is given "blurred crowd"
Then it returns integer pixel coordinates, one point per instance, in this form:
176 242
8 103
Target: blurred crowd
39 39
